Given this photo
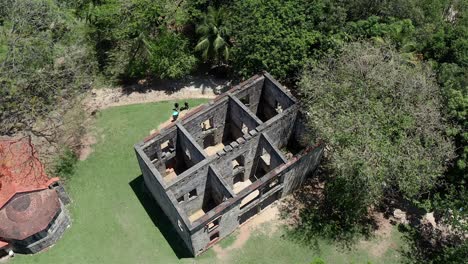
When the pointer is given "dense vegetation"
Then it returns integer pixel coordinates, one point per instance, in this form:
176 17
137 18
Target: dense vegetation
405 61
44 60
381 120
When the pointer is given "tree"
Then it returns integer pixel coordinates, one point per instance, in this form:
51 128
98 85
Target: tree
45 61
281 36
214 41
125 33
169 56
381 119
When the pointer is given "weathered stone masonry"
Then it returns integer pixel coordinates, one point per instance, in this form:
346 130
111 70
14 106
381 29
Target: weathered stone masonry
227 160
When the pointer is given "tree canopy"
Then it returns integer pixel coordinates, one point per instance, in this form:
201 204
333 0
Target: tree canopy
45 60
381 118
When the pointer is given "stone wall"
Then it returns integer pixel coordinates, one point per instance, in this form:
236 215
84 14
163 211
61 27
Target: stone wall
247 147
236 120
252 91
46 238
217 114
162 197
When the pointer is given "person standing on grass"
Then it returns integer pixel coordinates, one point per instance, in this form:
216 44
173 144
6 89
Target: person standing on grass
175 112
185 107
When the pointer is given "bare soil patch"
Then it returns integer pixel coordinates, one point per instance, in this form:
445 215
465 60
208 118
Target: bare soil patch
269 215
191 87
87 142
378 247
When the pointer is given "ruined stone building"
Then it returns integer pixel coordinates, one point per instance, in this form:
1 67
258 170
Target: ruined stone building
227 160
32 206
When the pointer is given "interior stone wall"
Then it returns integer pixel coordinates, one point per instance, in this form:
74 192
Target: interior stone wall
214 174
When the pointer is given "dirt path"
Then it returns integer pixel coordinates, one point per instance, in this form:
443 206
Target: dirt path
269 215
379 247
192 87
188 88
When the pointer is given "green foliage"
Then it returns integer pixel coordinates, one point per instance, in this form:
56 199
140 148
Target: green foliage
381 120
341 215
65 164
453 254
454 80
277 36
399 32
133 37
169 56
318 261
426 245
214 41
45 61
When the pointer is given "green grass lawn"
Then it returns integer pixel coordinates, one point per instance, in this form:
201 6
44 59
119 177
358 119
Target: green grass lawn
114 221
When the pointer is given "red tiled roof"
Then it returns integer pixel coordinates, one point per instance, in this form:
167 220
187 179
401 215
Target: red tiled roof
28 213
20 169
3 244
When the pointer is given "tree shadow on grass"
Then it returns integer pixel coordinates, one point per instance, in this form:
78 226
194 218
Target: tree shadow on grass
159 218
202 82
322 210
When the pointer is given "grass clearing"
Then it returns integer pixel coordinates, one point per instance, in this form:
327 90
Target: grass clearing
111 224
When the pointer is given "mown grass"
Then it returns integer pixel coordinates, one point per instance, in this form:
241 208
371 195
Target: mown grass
114 221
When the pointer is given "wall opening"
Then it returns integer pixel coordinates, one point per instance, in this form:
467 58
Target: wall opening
266 157
214 224
207 124
244 129
180 225
214 237
238 183
187 154
172 169
249 199
245 100
239 177
180 199
208 141
238 163
192 194
167 148
271 199
247 215
262 165
272 184
278 108
152 154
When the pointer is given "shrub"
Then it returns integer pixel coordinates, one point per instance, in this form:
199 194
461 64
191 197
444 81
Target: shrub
65 164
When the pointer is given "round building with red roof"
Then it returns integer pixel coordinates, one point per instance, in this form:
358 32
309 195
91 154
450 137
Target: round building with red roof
32 206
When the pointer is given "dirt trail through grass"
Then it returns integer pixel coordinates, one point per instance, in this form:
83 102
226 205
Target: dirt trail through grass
269 215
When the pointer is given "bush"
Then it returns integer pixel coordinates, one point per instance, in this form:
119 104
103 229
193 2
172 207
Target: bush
65 164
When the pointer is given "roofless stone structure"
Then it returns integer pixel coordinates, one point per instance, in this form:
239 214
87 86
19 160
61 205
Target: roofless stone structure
225 161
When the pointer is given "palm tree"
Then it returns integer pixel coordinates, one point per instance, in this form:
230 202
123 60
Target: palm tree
213 43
